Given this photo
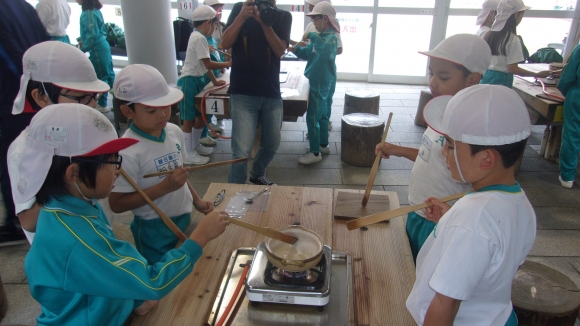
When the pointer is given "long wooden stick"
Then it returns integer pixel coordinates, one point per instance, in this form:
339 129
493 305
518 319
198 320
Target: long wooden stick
211 165
372 219
375 167
270 233
180 235
224 53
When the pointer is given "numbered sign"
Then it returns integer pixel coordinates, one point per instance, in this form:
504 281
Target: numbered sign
214 106
118 11
185 5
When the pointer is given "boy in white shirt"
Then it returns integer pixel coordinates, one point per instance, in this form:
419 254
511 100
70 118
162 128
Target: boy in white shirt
466 267
194 77
146 100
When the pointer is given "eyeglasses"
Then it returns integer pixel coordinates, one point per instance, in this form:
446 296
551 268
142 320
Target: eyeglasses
117 162
85 99
219 198
313 19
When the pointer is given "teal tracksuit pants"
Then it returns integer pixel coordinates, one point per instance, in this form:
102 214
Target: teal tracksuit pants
317 115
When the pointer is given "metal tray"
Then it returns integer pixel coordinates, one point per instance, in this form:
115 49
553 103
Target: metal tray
339 311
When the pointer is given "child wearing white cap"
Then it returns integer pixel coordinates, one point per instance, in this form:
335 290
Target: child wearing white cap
54 72
506 47
146 100
196 73
486 17
55 16
466 267
456 63
311 28
77 270
321 73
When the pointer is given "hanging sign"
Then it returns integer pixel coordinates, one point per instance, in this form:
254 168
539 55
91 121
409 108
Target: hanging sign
185 5
214 106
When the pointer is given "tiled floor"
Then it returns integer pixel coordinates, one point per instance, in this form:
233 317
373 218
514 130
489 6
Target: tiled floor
558 238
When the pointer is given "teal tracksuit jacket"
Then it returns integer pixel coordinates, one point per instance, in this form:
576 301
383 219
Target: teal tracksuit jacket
321 72
82 275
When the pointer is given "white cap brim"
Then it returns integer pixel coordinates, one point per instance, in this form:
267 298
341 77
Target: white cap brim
501 19
96 86
482 16
175 95
434 111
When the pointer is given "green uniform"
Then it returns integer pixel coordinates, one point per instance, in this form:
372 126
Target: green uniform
93 36
82 275
569 85
321 72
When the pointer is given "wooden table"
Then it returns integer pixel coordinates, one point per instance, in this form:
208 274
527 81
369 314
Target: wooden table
382 264
294 92
542 111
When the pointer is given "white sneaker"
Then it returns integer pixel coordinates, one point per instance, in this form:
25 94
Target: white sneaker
323 150
566 184
310 158
329 125
202 150
102 109
196 159
216 127
221 124
212 135
207 141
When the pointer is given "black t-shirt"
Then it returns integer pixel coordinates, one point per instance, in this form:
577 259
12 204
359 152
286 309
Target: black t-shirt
255 67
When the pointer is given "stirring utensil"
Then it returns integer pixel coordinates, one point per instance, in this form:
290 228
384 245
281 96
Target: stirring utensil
270 233
251 199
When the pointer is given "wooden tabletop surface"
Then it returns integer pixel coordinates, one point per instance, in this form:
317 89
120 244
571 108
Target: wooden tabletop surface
382 265
529 93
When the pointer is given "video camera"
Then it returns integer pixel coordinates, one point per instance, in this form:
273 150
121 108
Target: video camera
268 13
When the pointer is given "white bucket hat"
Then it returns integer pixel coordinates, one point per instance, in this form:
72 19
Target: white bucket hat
324 8
480 115
204 12
212 3
144 84
505 9
315 2
468 50
487 7
69 130
60 64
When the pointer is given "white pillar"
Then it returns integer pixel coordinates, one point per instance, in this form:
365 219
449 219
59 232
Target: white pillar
149 35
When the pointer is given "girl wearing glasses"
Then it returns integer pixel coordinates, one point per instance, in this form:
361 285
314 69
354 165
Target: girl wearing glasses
77 270
54 72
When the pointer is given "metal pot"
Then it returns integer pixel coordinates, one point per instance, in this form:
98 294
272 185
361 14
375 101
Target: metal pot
297 257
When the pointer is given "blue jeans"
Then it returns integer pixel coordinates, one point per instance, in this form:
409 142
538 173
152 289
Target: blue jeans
249 112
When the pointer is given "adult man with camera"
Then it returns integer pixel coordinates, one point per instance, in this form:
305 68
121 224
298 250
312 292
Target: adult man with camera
258 34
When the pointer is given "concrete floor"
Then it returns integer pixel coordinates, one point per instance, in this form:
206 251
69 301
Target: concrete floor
558 237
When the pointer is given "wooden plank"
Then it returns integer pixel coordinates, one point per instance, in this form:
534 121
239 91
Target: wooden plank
529 94
383 268
348 205
190 302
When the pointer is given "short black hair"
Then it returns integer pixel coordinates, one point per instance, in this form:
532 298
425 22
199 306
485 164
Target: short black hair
464 70
510 153
91 4
51 89
200 22
54 185
122 102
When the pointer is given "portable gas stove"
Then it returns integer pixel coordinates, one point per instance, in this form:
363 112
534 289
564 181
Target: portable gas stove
322 295
268 283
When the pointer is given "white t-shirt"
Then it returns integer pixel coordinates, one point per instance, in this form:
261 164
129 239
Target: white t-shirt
197 49
473 255
430 176
150 156
311 28
482 31
514 54
54 15
14 152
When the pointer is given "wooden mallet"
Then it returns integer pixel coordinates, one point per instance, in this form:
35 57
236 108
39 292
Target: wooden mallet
375 167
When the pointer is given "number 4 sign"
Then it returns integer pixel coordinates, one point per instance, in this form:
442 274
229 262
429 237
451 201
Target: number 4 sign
185 5
214 106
